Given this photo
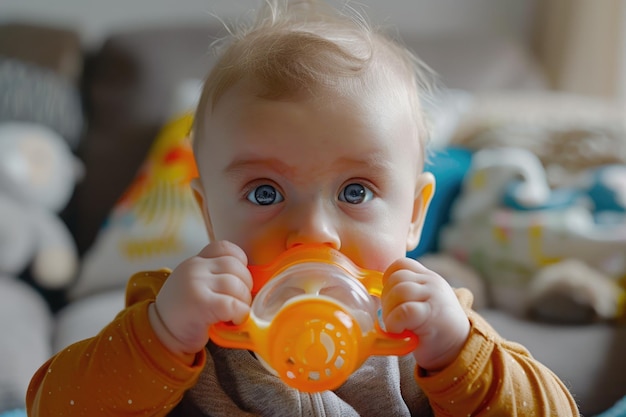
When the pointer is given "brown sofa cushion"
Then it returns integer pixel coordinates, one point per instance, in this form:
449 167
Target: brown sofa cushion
57 49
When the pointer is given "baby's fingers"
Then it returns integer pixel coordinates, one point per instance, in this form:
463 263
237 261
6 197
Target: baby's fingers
223 248
226 308
231 286
405 302
406 296
409 315
227 257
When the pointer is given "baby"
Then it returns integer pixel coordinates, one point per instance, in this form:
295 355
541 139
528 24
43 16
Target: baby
309 130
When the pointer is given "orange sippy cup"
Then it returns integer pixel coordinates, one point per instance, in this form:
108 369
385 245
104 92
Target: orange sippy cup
314 319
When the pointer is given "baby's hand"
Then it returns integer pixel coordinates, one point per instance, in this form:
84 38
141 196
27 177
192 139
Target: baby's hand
213 286
417 299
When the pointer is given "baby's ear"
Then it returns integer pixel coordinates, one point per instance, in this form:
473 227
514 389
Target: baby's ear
424 191
198 193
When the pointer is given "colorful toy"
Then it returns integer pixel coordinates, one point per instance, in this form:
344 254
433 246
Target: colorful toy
314 319
557 254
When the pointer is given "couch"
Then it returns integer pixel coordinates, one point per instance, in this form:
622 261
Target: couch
128 87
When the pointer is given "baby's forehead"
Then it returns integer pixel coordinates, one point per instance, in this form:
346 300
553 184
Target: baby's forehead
374 111
370 99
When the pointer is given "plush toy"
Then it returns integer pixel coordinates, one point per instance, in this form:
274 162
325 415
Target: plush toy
557 254
38 173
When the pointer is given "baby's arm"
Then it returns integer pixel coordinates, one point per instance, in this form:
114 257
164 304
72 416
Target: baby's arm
123 371
488 375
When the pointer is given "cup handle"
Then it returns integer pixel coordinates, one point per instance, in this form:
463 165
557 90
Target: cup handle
395 344
230 335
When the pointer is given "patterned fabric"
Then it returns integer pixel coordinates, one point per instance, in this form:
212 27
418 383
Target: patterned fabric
522 236
32 94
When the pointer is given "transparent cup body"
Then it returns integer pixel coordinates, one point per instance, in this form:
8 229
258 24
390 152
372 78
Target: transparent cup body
316 280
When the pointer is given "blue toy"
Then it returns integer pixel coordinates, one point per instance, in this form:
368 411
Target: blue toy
618 410
449 166
14 413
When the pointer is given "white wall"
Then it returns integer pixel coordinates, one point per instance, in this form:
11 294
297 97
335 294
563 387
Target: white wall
95 18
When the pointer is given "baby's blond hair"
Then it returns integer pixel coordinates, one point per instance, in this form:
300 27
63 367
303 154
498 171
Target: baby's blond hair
306 46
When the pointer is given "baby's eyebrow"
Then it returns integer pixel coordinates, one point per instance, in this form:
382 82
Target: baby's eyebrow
239 166
374 162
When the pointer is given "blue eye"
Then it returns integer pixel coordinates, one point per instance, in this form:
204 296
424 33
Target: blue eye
264 195
355 194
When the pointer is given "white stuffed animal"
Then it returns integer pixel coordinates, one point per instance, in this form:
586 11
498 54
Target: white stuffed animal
38 173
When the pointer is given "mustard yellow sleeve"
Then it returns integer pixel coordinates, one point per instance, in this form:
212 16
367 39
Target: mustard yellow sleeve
494 377
123 371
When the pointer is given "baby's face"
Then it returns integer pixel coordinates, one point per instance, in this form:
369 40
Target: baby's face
275 174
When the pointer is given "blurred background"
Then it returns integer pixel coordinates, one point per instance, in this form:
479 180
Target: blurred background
114 83
579 44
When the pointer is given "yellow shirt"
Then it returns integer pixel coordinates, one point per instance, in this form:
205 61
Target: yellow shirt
126 371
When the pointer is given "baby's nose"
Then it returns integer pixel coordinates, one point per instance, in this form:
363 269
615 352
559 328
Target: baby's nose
313 224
